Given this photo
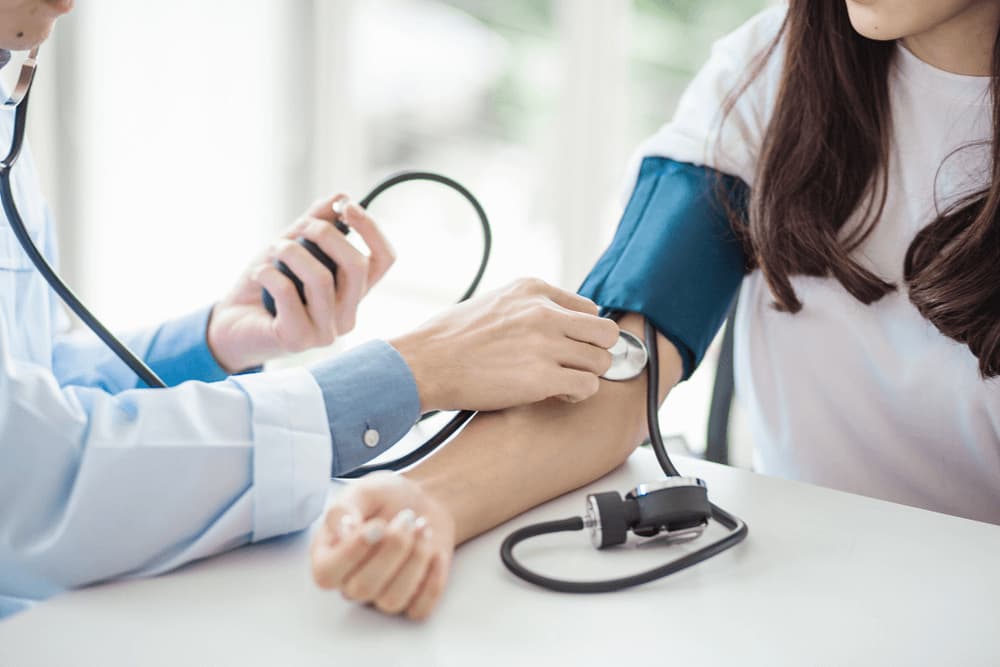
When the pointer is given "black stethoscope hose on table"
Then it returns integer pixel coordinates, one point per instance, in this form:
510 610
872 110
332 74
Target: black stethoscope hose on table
678 506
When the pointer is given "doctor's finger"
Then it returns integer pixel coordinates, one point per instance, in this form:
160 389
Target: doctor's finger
583 357
294 230
291 323
322 208
352 271
383 256
381 566
574 386
430 590
318 286
599 331
571 300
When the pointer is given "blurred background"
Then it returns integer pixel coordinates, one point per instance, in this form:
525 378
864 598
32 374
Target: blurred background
177 139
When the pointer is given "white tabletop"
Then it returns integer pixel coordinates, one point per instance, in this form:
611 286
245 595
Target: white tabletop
824 578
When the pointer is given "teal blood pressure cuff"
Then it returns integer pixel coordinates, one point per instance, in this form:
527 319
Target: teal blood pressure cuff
675 258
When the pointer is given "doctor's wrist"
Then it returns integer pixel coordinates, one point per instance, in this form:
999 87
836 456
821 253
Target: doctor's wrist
430 390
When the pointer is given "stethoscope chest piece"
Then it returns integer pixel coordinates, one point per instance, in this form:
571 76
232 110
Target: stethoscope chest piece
628 358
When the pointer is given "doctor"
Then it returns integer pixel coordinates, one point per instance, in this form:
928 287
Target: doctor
100 478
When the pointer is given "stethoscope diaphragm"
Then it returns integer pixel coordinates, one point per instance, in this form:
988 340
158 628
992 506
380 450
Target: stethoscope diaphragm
628 358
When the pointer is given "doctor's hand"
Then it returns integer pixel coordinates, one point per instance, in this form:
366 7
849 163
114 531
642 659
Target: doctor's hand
242 334
518 345
385 541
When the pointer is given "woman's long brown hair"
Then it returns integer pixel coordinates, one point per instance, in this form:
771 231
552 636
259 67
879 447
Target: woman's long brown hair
825 158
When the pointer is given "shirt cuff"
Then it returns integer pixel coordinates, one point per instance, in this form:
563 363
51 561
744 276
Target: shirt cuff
291 454
179 351
371 402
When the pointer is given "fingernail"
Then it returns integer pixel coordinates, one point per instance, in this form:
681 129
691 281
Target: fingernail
373 534
406 518
340 205
348 523
420 524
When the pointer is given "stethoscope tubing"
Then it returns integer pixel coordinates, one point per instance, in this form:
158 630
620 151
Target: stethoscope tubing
137 365
145 373
737 528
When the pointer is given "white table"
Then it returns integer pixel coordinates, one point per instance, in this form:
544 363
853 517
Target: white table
824 578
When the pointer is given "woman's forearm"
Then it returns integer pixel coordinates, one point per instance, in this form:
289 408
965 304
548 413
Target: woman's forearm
506 462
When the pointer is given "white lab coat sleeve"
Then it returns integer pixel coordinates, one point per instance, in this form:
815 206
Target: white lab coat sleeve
95 485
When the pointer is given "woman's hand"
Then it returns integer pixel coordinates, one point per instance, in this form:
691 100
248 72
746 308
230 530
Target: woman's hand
387 542
242 334
519 345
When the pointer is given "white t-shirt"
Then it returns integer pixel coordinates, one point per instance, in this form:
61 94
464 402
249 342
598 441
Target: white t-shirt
868 399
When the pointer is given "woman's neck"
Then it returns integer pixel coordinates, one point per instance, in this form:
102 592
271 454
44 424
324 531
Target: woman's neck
963 44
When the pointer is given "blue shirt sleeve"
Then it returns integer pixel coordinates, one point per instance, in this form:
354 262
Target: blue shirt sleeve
675 258
371 402
177 351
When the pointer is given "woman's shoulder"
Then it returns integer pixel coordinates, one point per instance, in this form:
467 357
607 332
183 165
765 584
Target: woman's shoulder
754 35
721 119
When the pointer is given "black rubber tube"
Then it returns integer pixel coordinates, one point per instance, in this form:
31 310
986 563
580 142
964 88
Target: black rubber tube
57 284
484 221
737 528
424 450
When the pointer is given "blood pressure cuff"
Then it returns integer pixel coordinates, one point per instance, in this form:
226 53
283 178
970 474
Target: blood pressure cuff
675 258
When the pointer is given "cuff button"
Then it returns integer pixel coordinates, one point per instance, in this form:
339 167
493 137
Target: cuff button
371 438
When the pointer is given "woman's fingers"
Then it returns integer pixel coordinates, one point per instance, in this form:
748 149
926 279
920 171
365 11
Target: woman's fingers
335 558
430 590
402 590
373 575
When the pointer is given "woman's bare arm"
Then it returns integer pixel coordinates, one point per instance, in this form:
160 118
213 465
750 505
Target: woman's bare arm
509 461
374 548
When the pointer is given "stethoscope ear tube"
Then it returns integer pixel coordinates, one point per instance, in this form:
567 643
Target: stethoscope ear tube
57 284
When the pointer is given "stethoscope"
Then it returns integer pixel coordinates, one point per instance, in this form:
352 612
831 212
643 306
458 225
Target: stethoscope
677 507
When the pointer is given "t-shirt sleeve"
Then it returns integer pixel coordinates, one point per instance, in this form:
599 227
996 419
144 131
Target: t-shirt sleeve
674 257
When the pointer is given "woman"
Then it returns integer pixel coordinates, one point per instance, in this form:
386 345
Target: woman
100 478
868 331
